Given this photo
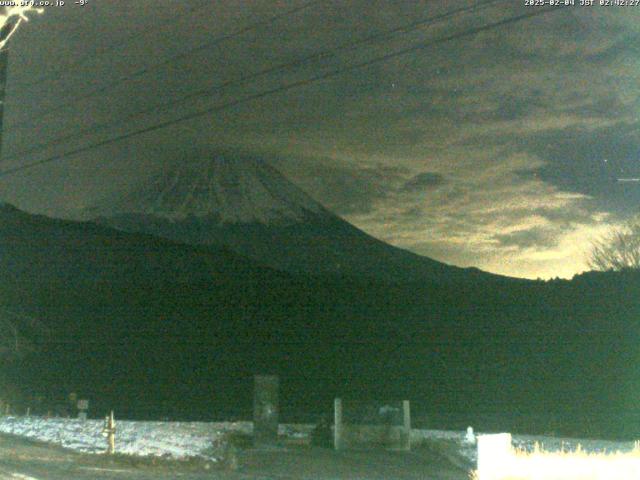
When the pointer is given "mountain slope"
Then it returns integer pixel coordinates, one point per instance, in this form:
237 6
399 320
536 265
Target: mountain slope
249 207
153 328
40 249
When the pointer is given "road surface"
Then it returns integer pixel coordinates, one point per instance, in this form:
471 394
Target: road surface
26 460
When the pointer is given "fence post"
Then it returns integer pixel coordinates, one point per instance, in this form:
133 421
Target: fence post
265 410
406 415
109 431
83 406
337 424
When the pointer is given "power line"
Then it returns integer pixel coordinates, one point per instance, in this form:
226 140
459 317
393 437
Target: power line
333 73
406 28
167 61
283 88
97 50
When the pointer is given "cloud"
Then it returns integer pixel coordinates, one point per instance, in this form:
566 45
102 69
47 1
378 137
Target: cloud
534 237
491 217
590 162
345 187
485 151
422 181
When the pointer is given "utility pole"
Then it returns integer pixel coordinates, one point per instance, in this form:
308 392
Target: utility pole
4 62
10 19
6 31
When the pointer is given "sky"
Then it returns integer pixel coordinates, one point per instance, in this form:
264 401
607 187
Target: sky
510 150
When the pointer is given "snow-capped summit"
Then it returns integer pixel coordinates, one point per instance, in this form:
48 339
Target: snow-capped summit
247 206
231 190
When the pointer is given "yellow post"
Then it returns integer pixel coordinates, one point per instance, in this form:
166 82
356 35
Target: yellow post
109 431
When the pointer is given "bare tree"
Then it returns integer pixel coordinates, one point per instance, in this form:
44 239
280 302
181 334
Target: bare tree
619 250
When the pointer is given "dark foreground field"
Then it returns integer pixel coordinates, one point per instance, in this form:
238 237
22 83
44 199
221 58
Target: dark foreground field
27 460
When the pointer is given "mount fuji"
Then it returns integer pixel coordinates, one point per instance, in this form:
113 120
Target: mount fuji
247 206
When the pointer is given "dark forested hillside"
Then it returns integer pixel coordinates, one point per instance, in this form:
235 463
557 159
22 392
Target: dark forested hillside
157 329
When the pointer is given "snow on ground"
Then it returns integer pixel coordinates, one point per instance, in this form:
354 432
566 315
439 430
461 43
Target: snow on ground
194 439
170 439
525 442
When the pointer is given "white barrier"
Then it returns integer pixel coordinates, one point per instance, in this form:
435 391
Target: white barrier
498 460
494 455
